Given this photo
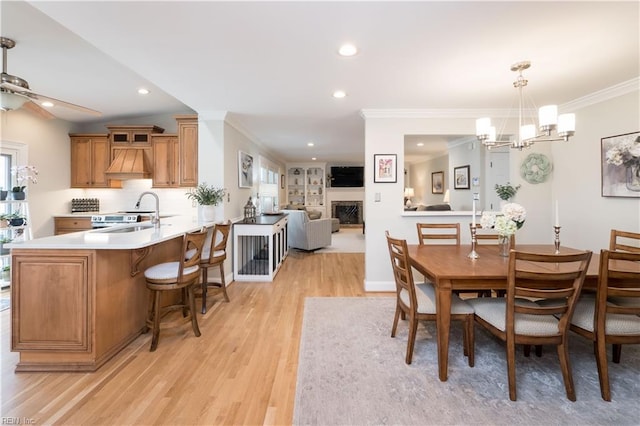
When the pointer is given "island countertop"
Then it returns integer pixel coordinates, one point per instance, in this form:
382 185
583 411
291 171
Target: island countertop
110 239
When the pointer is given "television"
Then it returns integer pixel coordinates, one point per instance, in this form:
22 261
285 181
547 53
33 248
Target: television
347 176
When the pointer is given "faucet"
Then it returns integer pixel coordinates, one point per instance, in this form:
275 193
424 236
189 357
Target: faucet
156 219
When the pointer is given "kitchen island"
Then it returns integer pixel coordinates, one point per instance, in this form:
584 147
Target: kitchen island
78 299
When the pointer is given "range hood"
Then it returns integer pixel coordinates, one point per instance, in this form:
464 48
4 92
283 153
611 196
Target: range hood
129 163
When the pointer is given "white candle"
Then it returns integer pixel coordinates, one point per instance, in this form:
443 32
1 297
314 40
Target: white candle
557 215
474 214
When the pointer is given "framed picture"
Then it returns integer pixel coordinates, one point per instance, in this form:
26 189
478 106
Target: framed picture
245 170
461 177
621 165
384 168
437 183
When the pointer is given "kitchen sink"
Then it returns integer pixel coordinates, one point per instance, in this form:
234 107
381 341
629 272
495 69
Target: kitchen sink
139 227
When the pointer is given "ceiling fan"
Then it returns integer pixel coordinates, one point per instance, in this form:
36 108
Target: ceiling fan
15 91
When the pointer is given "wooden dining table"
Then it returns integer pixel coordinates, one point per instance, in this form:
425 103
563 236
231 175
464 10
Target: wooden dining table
450 268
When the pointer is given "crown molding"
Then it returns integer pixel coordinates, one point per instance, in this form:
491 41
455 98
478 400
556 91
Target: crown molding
615 91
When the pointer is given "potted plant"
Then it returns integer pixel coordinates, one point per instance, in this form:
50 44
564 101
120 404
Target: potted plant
207 197
6 273
3 194
4 250
507 191
23 174
4 220
16 219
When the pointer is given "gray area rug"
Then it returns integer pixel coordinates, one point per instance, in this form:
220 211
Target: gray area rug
351 372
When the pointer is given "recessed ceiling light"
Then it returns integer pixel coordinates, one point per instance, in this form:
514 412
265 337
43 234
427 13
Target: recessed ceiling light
313 158
339 94
309 143
47 104
347 50
420 144
143 91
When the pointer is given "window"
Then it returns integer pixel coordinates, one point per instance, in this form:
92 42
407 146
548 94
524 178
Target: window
268 186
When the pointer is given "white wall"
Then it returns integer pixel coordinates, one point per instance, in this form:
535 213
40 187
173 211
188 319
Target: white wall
586 217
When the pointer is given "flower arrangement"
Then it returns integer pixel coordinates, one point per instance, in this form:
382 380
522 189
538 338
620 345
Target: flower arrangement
207 195
506 191
510 219
626 153
24 174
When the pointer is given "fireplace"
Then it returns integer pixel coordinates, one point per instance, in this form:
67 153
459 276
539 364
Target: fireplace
347 212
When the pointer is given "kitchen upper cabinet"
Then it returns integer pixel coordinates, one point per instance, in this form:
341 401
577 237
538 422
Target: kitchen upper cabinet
188 149
132 136
90 157
166 159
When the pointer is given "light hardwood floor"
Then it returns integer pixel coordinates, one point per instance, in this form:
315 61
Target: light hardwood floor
242 371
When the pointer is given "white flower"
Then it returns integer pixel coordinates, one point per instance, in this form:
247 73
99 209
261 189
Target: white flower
626 152
505 226
25 173
515 212
487 220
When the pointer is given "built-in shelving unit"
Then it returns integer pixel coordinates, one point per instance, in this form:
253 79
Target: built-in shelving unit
306 186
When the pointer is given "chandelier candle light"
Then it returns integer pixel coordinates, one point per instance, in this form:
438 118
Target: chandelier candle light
548 121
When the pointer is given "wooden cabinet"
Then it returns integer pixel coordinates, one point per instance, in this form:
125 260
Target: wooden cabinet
175 157
259 248
132 136
90 157
166 158
66 225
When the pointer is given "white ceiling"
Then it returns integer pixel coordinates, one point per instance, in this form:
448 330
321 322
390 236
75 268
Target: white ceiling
272 66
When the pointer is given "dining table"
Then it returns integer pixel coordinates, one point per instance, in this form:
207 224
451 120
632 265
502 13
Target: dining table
450 268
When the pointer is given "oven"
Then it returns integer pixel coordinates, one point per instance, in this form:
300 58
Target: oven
106 220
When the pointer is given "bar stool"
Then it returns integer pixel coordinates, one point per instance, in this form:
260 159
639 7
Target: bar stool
214 254
179 275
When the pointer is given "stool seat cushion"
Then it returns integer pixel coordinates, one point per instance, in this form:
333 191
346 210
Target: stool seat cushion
167 270
217 253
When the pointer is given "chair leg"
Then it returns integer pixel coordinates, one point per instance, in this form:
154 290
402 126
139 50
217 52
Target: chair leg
616 352
511 369
413 330
192 307
526 350
156 321
603 368
395 321
205 277
538 351
470 339
223 282
565 366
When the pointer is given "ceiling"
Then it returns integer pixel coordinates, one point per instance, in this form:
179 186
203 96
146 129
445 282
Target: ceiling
273 66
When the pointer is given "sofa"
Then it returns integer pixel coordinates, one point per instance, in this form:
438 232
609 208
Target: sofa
313 214
306 234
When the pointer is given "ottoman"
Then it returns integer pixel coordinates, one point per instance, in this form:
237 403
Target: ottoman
335 225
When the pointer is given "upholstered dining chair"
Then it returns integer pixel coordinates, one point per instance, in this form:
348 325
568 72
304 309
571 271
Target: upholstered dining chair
517 319
604 322
429 232
418 302
182 274
214 254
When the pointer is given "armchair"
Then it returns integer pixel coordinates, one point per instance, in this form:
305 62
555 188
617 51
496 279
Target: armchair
307 234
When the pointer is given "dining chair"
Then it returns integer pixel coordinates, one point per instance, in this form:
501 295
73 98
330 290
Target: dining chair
429 232
624 241
214 254
604 322
182 274
490 236
418 302
517 320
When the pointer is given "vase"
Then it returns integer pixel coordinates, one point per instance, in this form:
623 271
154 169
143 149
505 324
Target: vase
633 177
19 195
504 243
210 213
3 195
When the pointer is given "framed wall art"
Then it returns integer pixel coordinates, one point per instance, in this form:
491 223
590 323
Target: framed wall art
621 165
437 183
245 170
385 166
461 177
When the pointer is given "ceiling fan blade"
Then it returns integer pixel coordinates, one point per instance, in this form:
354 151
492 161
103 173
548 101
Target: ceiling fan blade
63 103
38 110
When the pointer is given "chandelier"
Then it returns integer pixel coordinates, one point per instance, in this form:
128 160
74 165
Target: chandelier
549 121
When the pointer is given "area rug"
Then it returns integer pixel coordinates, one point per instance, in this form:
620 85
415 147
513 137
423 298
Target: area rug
347 240
351 372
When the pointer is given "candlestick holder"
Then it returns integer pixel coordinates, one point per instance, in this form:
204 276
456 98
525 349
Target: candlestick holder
474 242
556 241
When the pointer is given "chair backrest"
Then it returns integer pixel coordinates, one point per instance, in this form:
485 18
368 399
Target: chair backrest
489 235
556 278
216 245
619 278
192 245
398 253
624 241
448 232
